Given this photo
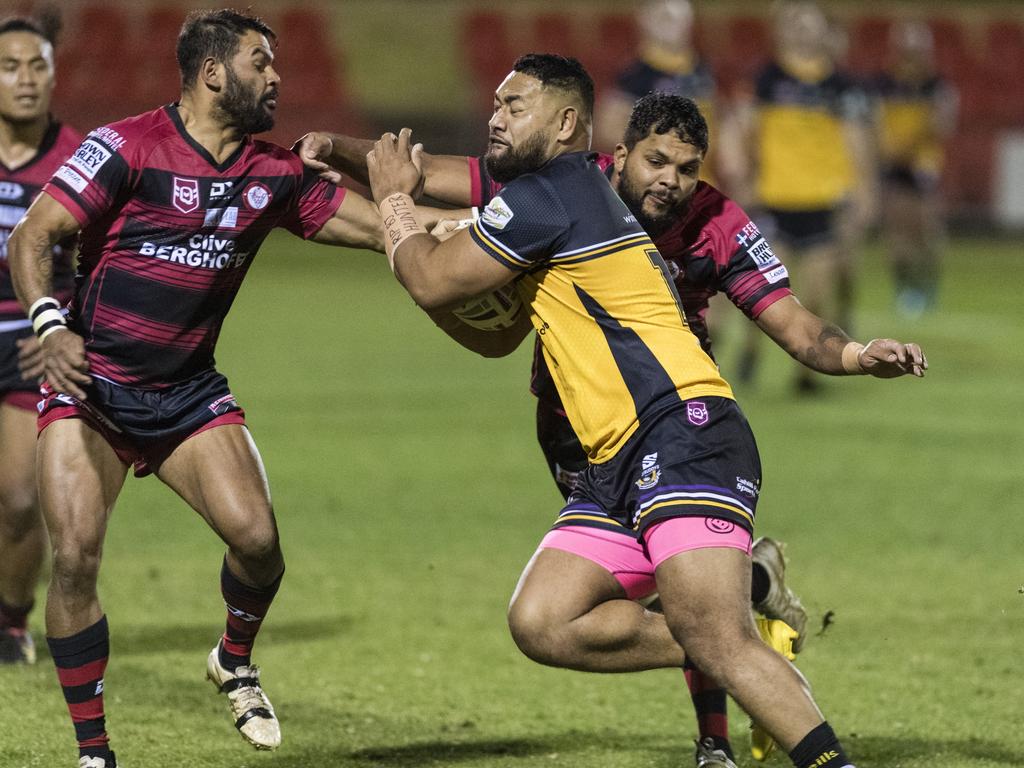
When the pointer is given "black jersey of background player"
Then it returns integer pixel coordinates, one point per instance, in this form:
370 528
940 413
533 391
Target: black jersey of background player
18 188
601 299
712 247
168 234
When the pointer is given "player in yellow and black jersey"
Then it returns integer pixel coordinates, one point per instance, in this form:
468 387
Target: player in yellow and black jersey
672 457
807 144
916 115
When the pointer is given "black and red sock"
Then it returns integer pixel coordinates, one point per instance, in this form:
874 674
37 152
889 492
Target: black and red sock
81 661
247 606
709 703
820 749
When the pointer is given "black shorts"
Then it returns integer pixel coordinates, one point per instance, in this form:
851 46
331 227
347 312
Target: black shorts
144 426
799 230
562 450
697 460
909 179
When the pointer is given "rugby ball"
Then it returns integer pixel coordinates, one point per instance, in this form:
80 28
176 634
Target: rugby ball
492 311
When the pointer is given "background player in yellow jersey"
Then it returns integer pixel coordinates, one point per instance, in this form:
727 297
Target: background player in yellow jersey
917 112
671 455
804 148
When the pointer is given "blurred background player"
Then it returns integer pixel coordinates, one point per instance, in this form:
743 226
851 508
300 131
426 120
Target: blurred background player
32 147
804 149
666 62
917 111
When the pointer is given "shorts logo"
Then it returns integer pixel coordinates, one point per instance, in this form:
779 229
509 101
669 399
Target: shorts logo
186 194
565 477
257 196
497 214
223 405
747 487
650 472
696 413
715 525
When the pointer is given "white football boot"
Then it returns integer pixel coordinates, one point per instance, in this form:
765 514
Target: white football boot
253 713
709 757
97 762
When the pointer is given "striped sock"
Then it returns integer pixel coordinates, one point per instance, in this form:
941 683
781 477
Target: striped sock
81 660
247 606
820 749
709 703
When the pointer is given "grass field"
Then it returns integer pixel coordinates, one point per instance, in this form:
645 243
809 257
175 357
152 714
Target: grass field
410 493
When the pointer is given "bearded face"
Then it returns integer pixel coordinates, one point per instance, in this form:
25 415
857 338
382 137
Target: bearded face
505 162
246 106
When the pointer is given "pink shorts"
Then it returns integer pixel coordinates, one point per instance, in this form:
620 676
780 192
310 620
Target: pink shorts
630 562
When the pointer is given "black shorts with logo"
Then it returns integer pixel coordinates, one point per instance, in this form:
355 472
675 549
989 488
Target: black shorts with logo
800 229
696 460
144 426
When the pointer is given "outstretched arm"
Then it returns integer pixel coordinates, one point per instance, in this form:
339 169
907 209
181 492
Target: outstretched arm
446 177
29 253
826 348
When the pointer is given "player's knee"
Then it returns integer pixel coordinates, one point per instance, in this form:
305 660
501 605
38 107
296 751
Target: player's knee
711 642
76 563
539 633
257 545
19 514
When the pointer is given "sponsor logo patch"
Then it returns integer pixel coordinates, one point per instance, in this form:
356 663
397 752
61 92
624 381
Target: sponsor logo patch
747 487
748 234
257 196
697 413
71 177
497 214
763 255
89 158
220 406
10 190
650 472
224 218
186 194
777 274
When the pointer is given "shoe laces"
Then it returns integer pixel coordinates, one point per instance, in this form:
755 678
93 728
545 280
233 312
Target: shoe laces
250 695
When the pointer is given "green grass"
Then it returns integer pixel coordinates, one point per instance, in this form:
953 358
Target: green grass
410 493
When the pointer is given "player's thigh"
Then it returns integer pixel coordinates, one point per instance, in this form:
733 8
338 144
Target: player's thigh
17 460
79 477
220 474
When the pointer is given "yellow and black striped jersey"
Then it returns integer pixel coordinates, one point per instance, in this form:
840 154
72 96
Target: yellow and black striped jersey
803 158
908 136
601 299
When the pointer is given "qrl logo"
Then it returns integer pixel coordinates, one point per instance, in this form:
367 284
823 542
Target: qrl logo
186 194
697 413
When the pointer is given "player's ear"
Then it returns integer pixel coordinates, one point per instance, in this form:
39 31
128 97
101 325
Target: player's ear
620 155
570 120
211 74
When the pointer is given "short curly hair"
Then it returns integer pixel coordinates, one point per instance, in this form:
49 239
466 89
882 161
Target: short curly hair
664 112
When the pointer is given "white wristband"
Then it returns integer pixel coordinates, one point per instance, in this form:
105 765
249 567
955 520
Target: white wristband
851 357
46 316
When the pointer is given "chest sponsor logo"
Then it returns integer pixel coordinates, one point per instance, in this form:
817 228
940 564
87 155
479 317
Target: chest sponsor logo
222 218
10 190
220 189
497 214
89 158
186 194
257 196
10 215
697 413
72 178
208 252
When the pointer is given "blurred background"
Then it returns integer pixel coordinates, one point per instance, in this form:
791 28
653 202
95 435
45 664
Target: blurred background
368 65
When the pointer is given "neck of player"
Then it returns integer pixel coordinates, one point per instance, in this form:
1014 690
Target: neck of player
215 137
19 142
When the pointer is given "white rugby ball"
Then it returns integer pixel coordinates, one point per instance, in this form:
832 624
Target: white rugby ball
492 311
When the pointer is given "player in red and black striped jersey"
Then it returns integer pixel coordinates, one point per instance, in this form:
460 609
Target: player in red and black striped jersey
32 147
172 206
710 245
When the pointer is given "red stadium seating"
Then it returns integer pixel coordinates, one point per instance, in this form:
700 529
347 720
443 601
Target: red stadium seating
488 52
554 33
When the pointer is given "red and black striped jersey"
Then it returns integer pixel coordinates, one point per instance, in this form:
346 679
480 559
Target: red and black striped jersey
18 188
167 237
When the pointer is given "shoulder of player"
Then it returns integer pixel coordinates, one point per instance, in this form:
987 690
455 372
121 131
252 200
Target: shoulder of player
715 219
137 134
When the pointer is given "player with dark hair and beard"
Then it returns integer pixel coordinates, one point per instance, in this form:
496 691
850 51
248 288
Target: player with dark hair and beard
172 206
709 245
32 147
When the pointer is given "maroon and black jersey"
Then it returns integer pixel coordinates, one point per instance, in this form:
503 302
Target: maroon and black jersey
18 188
168 235
714 246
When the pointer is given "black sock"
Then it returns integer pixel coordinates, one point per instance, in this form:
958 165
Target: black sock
759 583
820 749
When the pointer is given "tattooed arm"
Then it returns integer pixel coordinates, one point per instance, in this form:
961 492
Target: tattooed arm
826 348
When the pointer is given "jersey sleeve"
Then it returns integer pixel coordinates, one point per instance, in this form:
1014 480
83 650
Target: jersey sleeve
93 179
522 226
749 272
318 200
481 186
